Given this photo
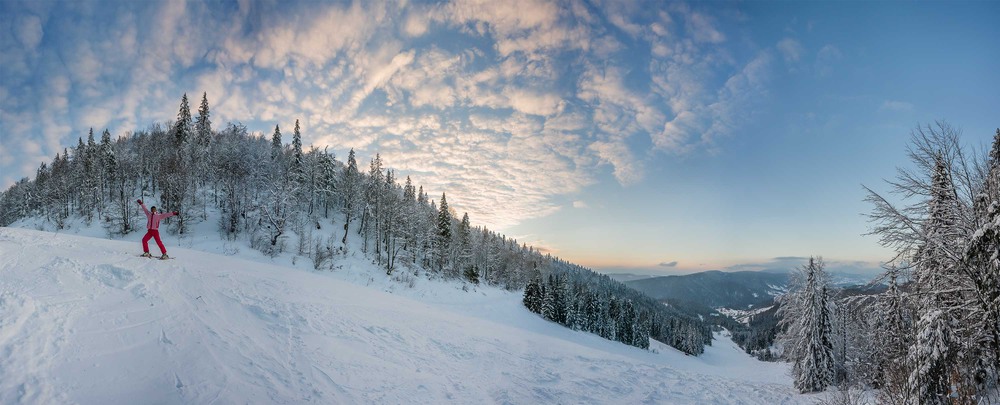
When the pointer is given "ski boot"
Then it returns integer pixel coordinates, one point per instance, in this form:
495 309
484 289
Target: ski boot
164 257
145 254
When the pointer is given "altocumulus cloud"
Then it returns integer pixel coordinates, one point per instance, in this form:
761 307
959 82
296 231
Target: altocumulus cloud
504 105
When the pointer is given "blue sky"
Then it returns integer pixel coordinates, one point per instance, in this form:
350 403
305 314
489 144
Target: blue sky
623 135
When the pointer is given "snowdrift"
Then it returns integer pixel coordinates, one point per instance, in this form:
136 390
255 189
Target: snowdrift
84 320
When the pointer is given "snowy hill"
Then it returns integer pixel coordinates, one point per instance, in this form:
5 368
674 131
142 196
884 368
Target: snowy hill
83 320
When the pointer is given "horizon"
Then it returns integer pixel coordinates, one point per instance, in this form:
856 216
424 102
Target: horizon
670 137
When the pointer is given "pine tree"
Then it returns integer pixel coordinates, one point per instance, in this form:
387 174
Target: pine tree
464 259
984 266
203 124
933 354
549 297
109 163
807 316
935 269
892 332
182 128
370 214
297 165
931 357
559 299
327 183
533 294
276 147
90 191
350 183
443 235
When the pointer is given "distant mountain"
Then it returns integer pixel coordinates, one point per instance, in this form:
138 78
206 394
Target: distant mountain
844 280
714 289
623 277
736 290
741 301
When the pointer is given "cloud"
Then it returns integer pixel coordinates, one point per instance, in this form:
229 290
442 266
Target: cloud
791 50
789 259
703 117
676 133
669 264
791 263
777 264
896 106
29 32
530 102
826 59
627 169
500 104
580 204
416 24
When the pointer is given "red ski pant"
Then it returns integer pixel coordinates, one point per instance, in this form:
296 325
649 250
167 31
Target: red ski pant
155 234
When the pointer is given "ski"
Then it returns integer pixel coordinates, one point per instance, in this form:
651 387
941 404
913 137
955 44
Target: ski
157 257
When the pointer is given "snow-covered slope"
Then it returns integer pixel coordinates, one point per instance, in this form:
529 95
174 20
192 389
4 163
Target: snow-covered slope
84 320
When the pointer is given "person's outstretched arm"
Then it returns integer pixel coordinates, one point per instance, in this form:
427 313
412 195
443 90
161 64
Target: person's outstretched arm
144 209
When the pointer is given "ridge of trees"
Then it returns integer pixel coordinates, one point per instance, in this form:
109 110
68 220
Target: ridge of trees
583 300
273 194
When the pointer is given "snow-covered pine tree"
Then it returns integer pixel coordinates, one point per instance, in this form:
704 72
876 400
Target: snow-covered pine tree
933 355
200 151
626 323
109 164
277 149
183 126
892 335
327 181
297 165
175 166
548 299
90 175
931 358
806 316
983 264
533 294
443 236
370 221
410 221
394 220
464 248
350 183
560 300
203 123
430 236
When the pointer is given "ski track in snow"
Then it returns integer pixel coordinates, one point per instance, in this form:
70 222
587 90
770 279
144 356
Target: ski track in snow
84 320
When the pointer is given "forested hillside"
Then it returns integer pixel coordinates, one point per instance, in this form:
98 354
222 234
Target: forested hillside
736 290
280 198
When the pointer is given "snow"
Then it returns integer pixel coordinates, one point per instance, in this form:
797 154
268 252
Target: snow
84 320
777 290
742 315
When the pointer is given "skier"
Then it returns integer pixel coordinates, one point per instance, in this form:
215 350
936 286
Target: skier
153 225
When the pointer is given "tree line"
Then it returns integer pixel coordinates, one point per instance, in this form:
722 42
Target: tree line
282 197
583 300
